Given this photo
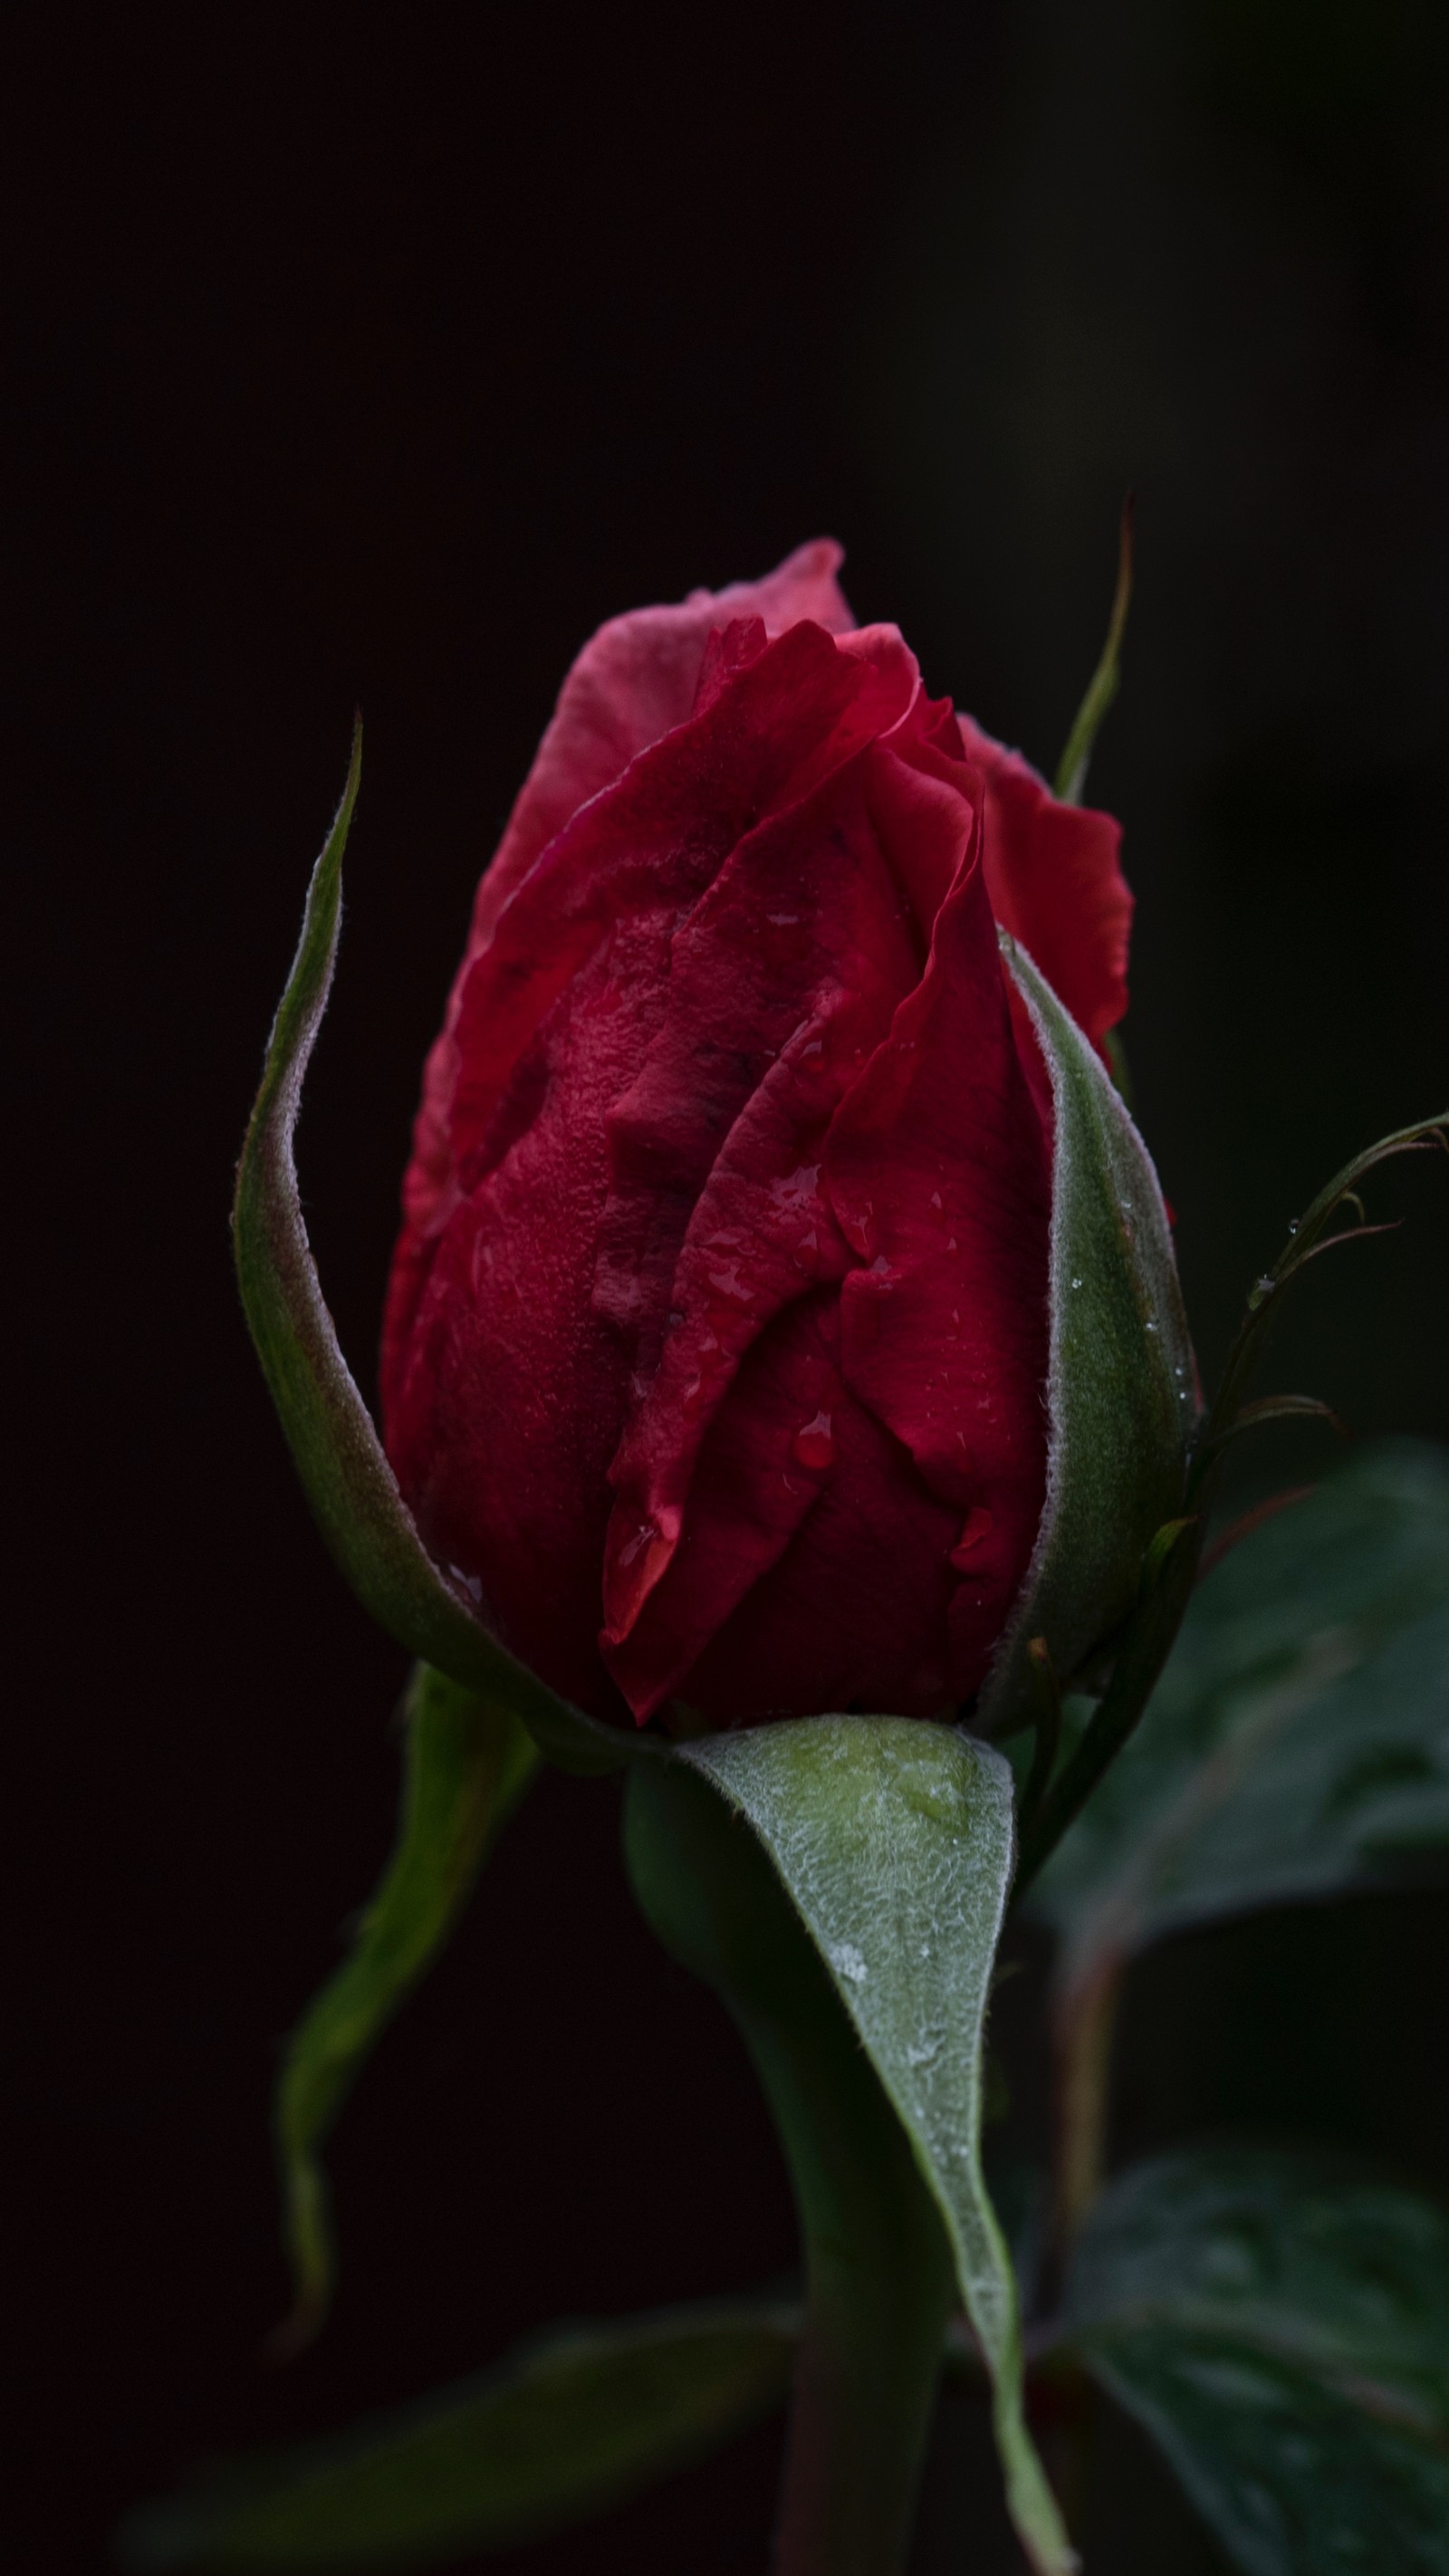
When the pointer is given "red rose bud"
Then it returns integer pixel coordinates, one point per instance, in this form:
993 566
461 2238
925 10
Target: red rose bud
723 1354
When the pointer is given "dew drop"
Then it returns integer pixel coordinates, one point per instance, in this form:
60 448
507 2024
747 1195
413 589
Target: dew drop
797 1187
845 1957
634 1547
857 1228
728 1283
1293 1225
979 1525
1076 1283
814 1444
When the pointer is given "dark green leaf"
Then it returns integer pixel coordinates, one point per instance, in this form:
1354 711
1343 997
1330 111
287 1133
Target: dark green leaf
348 1482
1121 1389
468 1763
1281 2329
894 1840
564 2428
1298 1742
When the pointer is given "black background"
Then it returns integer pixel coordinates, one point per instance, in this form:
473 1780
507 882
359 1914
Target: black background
376 355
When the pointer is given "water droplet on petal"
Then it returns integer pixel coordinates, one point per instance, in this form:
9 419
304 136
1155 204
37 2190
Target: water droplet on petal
814 1444
728 1283
857 1228
979 1525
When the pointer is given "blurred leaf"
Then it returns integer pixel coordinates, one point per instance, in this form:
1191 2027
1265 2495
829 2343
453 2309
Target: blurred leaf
1298 1743
1281 2329
562 2429
468 1763
894 1841
1121 1388
335 1448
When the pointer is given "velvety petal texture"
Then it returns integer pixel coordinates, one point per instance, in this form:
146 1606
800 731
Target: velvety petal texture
1055 882
717 1334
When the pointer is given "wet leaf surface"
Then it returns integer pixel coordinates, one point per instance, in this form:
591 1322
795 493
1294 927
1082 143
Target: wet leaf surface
1280 2327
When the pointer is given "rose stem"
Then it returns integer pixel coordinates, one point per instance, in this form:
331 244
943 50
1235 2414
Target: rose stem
879 2281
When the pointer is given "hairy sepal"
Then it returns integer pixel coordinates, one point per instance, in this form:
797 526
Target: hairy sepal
1122 1386
334 1443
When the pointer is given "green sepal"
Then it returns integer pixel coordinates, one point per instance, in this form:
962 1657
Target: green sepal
893 1839
1071 777
1121 1388
570 2424
468 1762
338 1455
1279 2325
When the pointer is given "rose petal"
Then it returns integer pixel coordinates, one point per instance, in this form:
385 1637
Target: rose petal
1054 880
647 847
938 1171
783 982
632 683
757 1480
854 1611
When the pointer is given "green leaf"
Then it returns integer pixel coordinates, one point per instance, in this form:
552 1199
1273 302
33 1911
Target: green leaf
1298 1743
1071 778
1121 1396
468 1762
567 2426
894 1840
1281 2329
338 1455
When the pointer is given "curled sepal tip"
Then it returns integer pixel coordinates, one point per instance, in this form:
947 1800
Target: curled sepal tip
338 1455
1312 1234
